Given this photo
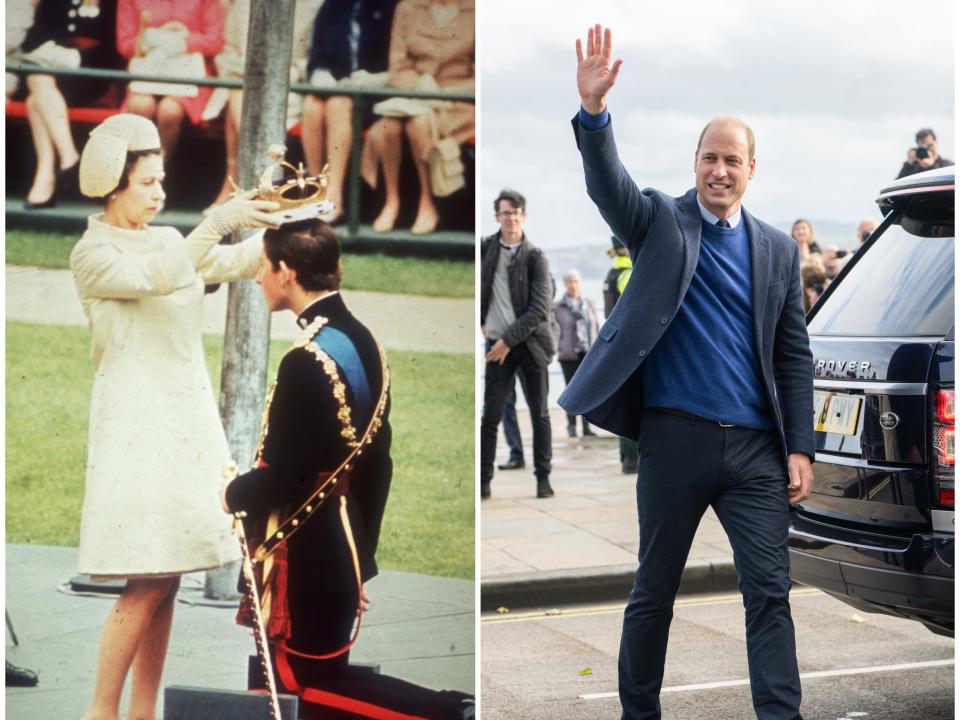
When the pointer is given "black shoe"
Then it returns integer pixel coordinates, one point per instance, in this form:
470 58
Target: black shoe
48 203
68 181
543 488
588 431
484 490
20 677
571 430
512 464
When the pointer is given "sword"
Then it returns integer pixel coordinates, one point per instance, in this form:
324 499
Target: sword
260 632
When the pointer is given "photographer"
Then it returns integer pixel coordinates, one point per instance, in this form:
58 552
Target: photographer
924 156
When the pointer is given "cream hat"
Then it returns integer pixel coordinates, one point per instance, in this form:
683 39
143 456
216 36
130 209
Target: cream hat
105 153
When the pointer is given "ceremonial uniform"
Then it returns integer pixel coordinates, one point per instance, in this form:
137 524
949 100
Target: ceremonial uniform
331 388
316 415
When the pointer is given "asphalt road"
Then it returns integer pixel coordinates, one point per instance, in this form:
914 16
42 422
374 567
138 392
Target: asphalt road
562 663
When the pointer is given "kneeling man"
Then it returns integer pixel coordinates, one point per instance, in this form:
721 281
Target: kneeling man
315 498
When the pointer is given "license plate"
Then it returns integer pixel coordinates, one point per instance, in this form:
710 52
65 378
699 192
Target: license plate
835 412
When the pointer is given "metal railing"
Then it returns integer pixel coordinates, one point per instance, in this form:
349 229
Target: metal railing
361 97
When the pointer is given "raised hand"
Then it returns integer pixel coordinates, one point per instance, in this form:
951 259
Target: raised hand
595 74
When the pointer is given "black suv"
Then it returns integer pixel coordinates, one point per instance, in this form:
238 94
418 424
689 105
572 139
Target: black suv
877 531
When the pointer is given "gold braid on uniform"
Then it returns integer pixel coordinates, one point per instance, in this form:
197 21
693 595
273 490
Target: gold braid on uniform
348 432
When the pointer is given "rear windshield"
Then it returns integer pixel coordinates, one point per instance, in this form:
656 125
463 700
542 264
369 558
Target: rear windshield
901 287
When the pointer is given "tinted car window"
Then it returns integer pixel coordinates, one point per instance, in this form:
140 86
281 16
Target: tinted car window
902 286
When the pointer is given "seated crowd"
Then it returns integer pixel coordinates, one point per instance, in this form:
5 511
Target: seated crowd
423 45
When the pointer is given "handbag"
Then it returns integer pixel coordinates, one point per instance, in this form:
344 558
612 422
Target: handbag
444 164
187 65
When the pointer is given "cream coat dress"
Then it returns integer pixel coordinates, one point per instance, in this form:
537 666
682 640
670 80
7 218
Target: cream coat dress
156 444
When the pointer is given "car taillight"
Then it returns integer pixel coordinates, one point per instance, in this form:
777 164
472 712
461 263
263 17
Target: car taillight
944 430
943 440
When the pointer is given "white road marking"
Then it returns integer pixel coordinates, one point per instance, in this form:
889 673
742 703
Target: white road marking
803 676
617 608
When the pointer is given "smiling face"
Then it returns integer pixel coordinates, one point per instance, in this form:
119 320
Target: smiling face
723 166
801 232
138 203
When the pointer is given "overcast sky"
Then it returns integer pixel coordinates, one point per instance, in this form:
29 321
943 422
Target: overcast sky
834 92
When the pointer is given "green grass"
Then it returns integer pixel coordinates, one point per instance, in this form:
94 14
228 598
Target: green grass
429 522
382 273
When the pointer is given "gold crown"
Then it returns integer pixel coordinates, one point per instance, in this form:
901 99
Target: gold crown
300 189
293 191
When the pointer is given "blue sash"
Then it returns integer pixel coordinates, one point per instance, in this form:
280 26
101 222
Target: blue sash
339 347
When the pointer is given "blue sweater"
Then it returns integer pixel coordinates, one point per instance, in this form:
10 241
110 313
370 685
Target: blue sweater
706 361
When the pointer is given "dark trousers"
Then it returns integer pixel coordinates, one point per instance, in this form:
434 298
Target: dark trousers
685 466
332 689
569 367
498 383
511 428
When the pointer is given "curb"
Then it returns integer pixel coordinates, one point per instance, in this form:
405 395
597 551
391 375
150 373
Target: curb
591 585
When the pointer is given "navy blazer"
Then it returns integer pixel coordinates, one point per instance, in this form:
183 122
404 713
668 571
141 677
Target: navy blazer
663 236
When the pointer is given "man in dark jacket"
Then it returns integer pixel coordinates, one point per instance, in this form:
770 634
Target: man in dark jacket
316 495
706 361
924 156
515 301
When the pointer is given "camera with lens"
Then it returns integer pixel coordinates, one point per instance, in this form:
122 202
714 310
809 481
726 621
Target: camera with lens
922 152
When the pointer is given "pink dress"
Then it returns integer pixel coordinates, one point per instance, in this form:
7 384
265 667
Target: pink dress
204 21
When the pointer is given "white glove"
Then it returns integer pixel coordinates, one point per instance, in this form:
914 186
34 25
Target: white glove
243 212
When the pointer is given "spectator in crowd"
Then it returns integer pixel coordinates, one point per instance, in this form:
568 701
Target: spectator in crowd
62 37
815 260
832 260
431 49
511 429
613 285
578 329
515 299
617 276
924 156
350 47
865 229
814 283
230 63
165 31
802 232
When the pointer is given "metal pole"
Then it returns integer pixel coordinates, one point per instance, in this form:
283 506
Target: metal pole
247 336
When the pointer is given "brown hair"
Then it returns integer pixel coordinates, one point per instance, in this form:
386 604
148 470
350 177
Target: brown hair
309 247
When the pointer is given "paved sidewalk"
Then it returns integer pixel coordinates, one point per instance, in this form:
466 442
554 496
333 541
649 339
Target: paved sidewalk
581 544
399 322
419 628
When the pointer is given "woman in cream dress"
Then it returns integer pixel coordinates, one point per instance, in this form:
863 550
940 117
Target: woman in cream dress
156 446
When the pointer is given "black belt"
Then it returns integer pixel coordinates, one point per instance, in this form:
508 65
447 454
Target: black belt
690 416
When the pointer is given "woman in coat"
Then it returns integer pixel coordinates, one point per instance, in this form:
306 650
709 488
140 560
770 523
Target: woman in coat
156 447
578 329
